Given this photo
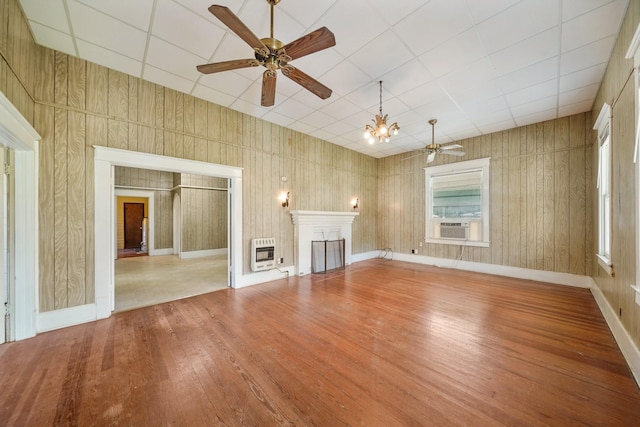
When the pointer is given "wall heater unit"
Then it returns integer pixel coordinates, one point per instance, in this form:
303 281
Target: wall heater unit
454 230
263 252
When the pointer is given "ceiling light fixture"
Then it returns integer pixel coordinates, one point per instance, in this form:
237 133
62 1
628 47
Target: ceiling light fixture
382 132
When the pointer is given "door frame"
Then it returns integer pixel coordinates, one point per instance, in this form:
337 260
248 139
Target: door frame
143 194
105 159
18 134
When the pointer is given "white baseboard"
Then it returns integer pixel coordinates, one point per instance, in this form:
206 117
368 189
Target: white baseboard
500 270
625 342
204 253
264 276
165 251
364 256
56 319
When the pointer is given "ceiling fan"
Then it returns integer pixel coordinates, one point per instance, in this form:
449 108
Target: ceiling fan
433 148
272 54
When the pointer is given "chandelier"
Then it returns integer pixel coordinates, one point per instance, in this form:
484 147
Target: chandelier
381 131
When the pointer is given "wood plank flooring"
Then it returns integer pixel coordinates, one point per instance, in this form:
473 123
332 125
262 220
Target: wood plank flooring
381 343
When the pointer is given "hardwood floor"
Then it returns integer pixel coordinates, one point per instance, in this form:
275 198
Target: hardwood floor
382 343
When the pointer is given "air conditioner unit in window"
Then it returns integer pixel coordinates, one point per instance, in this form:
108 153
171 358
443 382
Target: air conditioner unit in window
454 230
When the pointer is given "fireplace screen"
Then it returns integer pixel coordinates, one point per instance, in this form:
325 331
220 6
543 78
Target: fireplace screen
327 255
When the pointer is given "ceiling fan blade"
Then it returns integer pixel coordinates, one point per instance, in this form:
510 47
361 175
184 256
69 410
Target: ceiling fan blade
431 157
454 153
307 82
317 40
234 23
268 88
450 147
216 67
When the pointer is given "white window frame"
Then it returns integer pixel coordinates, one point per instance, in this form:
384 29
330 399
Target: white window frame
603 126
482 165
633 52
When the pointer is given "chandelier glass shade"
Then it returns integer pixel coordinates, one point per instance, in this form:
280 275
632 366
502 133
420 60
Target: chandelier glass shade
381 131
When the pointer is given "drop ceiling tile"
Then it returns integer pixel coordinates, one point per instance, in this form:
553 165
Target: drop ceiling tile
537 117
344 78
580 107
481 10
135 13
213 95
49 13
587 56
453 54
110 33
484 119
109 59
574 8
367 58
53 39
302 127
230 83
532 93
201 7
482 103
293 109
173 59
406 77
581 78
433 24
351 23
166 79
497 127
543 104
526 53
309 14
185 29
524 20
479 74
529 76
586 93
318 119
427 94
400 9
340 108
592 26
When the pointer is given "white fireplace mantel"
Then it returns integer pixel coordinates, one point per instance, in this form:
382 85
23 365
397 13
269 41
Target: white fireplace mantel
319 225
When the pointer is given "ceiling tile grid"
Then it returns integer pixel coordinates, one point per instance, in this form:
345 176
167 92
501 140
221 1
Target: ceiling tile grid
478 66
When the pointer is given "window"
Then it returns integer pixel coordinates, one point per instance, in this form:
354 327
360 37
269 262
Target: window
457 202
603 125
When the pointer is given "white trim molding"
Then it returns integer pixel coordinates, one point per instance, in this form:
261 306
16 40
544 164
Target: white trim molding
20 136
104 161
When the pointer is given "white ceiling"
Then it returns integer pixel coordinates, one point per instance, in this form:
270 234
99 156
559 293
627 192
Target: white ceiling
478 66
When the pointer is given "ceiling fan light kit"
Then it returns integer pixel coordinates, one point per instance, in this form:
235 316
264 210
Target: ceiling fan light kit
381 131
272 54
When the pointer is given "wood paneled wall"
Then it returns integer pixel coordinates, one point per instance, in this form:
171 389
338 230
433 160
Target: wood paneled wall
203 205
75 104
618 89
540 177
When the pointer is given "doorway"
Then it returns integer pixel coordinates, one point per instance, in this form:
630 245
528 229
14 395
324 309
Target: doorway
105 159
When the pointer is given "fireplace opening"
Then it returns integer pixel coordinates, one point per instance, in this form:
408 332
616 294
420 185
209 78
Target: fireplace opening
327 255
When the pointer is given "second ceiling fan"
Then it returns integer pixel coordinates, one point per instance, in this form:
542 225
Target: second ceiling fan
272 54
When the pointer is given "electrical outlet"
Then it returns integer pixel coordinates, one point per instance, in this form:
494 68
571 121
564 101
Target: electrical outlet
280 260
413 251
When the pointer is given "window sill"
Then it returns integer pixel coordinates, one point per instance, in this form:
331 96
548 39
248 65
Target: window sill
459 242
606 265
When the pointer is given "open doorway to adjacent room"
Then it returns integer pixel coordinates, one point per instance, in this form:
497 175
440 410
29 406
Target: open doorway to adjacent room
171 236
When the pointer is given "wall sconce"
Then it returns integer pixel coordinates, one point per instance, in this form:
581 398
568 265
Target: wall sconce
284 198
354 202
